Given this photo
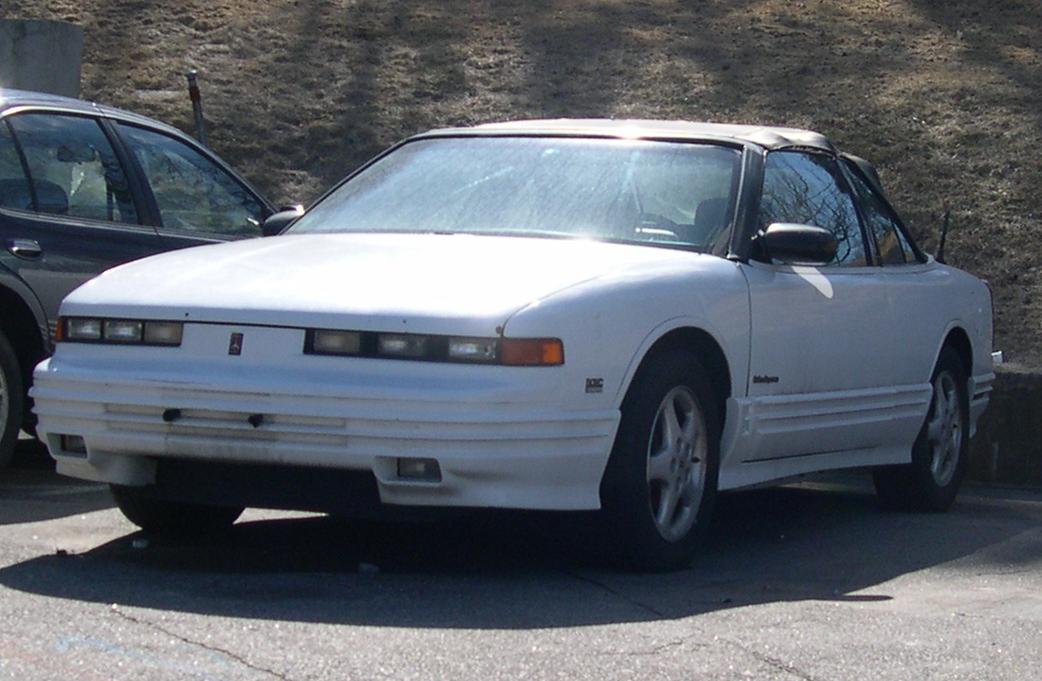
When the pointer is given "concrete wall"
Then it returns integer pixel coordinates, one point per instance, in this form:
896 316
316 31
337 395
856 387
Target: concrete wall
1008 445
41 55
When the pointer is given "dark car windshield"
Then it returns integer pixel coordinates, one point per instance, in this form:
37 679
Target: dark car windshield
627 190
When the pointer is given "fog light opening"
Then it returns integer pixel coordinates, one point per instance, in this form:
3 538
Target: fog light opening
426 470
73 444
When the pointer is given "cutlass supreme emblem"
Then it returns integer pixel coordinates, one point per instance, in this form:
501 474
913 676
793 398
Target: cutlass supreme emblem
235 344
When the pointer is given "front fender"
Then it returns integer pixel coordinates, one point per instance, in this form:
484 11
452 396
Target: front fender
736 355
608 325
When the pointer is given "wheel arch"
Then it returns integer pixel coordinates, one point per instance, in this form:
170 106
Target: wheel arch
957 339
698 341
25 326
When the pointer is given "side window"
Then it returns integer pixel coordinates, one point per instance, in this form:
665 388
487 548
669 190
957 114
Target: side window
72 167
14 185
891 244
193 193
807 189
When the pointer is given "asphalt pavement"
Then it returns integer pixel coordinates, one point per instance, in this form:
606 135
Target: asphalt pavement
812 581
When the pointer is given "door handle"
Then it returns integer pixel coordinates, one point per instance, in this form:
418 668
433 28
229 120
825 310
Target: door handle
25 248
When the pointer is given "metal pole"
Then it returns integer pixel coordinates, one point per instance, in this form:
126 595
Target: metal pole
197 106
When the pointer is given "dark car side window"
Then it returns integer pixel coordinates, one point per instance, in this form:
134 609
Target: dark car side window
14 185
807 189
193 193
891 245
72 167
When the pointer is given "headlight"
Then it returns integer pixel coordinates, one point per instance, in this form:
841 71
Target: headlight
473 349
400 345
430 348
80 329
118 331
163 333
335 342
122 331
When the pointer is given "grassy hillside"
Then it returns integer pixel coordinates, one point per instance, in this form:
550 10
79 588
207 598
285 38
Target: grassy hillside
945 97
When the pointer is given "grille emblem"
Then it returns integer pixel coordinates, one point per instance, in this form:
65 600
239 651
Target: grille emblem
235 344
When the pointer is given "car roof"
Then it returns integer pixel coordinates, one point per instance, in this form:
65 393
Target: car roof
768 137
17 99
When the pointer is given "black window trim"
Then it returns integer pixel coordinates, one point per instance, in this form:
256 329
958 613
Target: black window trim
843 184
849 165
868 234
24 163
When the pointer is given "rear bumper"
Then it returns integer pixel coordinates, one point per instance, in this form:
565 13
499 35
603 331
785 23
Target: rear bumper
501 454
980 394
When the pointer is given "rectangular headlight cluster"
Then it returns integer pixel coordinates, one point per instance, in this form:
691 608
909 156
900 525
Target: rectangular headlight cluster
428 348
119 331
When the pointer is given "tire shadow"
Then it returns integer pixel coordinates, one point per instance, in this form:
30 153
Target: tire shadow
524 570
30 490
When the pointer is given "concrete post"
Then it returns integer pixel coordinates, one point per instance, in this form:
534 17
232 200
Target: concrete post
41 55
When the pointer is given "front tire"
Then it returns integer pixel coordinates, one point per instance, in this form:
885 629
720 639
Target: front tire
12 400
660 485
940 452
162 516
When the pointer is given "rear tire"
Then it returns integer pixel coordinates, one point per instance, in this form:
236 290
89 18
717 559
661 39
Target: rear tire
660 485
162 516
12 400
940 452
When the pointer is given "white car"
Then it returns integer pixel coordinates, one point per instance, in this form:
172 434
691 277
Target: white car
559 315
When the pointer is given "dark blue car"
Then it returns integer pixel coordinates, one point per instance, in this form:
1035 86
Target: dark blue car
83 188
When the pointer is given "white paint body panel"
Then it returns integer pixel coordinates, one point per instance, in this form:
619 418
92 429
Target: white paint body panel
504 437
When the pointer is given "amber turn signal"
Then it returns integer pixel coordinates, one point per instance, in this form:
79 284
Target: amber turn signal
531 351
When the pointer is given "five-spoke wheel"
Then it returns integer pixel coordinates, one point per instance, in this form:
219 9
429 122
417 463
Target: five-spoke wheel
677 463
660 485
931 481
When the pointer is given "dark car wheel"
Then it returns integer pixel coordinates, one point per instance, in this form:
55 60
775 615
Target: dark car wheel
939 454
660 484
162 516
12 399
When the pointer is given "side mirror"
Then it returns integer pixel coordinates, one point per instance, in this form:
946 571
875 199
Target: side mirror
281 220
798 244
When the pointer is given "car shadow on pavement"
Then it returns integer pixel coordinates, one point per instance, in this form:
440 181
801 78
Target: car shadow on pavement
30 490
530 570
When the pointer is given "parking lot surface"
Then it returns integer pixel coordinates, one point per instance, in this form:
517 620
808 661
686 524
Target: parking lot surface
801 582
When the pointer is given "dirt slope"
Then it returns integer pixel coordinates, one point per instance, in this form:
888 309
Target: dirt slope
945 97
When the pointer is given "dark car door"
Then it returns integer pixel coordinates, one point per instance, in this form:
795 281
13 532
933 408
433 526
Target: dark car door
198 200
68 207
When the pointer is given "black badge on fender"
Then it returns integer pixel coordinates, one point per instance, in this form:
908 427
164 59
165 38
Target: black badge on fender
235 344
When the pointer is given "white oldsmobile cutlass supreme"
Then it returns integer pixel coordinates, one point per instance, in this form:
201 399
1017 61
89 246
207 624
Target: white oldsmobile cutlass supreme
561 315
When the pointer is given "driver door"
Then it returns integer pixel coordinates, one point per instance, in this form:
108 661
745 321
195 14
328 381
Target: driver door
818 362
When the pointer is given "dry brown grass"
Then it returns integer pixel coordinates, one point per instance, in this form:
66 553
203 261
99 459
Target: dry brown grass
945 97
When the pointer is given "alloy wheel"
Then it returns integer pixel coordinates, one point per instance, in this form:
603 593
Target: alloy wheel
677 463
945 428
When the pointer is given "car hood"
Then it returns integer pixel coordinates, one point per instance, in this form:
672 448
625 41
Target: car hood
426 283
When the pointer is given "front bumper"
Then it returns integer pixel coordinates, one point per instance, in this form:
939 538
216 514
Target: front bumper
493 454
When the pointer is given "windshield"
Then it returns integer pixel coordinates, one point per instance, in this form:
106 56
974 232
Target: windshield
627 190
